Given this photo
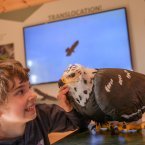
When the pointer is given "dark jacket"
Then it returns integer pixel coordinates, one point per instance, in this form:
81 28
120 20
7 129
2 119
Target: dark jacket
49 118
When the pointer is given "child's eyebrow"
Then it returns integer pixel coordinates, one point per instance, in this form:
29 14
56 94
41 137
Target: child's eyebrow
19 87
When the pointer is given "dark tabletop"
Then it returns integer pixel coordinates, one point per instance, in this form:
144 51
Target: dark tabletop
104 138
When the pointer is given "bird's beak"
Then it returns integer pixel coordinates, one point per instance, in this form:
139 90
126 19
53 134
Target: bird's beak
60 83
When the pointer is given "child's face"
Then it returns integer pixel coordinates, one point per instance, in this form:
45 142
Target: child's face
20 107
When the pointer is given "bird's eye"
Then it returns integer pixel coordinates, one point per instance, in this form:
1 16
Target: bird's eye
72 75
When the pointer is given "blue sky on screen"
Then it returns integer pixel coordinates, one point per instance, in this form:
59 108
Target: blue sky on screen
103 43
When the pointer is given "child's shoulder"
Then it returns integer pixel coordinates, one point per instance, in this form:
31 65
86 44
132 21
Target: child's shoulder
47 107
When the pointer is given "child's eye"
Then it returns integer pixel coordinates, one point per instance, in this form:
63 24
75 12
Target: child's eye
20 92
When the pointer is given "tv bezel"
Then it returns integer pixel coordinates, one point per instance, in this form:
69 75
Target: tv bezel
128 35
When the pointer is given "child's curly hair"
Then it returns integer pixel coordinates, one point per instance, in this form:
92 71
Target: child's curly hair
9 70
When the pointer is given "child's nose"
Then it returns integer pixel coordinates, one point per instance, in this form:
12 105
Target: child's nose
32 95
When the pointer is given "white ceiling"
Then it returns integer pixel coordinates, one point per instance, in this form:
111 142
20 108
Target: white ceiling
10 5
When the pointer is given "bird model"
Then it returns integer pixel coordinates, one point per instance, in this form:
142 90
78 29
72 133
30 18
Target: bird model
108 94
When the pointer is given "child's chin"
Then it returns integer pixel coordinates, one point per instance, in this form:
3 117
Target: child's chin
34 116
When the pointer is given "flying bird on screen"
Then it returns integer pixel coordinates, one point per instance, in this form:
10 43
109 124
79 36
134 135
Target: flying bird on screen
70 50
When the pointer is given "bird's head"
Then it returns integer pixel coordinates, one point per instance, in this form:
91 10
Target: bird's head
71 74
74 73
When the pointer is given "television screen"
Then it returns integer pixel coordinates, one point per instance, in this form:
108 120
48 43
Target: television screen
97 41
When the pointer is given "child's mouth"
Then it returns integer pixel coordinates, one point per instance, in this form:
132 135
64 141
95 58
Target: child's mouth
30 108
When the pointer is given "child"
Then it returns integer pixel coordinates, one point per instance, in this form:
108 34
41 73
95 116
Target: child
21 121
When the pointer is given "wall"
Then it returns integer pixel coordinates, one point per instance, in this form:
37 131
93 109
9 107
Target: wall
11 31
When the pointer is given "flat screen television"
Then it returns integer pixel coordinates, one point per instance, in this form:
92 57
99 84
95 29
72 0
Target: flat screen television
98 40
